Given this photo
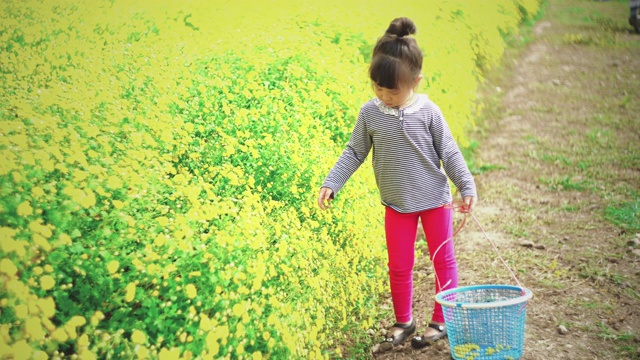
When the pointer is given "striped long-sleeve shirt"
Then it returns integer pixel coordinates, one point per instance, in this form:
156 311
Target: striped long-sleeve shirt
409 146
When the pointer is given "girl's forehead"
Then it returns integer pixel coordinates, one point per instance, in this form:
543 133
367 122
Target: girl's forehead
387 89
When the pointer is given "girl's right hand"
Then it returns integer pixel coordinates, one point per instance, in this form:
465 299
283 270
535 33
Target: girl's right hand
325 194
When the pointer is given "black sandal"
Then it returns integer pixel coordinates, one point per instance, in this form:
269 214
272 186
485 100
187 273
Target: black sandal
407 329
419 342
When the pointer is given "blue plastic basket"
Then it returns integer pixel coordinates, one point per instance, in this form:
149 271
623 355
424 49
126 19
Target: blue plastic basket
485 321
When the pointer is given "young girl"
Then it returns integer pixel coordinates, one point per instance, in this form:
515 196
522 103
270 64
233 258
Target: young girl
411 144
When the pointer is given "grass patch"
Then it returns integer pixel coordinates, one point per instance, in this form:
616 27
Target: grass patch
584 165
516 230
610 335
597 273
595 39
470 154
555 284
570 208
595 305
565 183
625 215
626 341
608 24
590 304
555 158
601 137
632 294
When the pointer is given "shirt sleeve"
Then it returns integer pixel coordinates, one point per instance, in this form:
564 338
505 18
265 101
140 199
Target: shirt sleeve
449 153
353 156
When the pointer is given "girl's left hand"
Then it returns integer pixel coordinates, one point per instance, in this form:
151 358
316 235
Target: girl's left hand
469 202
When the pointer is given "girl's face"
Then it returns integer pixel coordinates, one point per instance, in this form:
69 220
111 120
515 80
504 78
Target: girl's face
395 97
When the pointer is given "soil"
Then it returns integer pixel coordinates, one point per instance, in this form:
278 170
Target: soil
560 148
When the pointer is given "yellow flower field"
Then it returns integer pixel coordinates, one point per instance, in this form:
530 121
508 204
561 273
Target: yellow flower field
159 162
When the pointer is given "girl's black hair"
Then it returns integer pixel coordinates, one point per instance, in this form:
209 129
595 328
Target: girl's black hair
396 59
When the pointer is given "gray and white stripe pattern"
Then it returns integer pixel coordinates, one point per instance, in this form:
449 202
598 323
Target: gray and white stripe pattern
409 146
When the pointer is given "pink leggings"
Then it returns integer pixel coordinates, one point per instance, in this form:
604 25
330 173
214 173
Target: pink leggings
401 237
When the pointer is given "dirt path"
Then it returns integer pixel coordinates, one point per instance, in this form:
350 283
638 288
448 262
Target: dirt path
559 153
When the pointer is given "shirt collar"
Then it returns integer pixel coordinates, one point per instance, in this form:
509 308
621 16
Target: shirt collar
417 104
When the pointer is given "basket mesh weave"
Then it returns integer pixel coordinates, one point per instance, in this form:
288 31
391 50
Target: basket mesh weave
495 331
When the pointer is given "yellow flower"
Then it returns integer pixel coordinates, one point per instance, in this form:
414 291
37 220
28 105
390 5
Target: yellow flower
142 352
7 267
212 343
97 316
88 200
60 335
138 337
47 306
47 282
173 354
160 240
114 182
238 309
86 355
21 311
40 355
113 266
191 290
64 239
162 220
25 209
37 192
130 292
41 241
22 350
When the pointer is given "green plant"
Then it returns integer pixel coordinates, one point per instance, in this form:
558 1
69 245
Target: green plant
565 183
625 215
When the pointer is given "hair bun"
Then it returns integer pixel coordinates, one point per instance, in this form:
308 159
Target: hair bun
401 27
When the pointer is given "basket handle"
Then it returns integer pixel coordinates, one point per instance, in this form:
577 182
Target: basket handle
460 207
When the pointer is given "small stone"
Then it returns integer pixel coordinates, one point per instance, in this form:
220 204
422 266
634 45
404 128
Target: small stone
636 252
440 345
562 330
540 246
556 82
375 349
371 332
526 243
386 346
383 332
634 242
638 236
638 351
